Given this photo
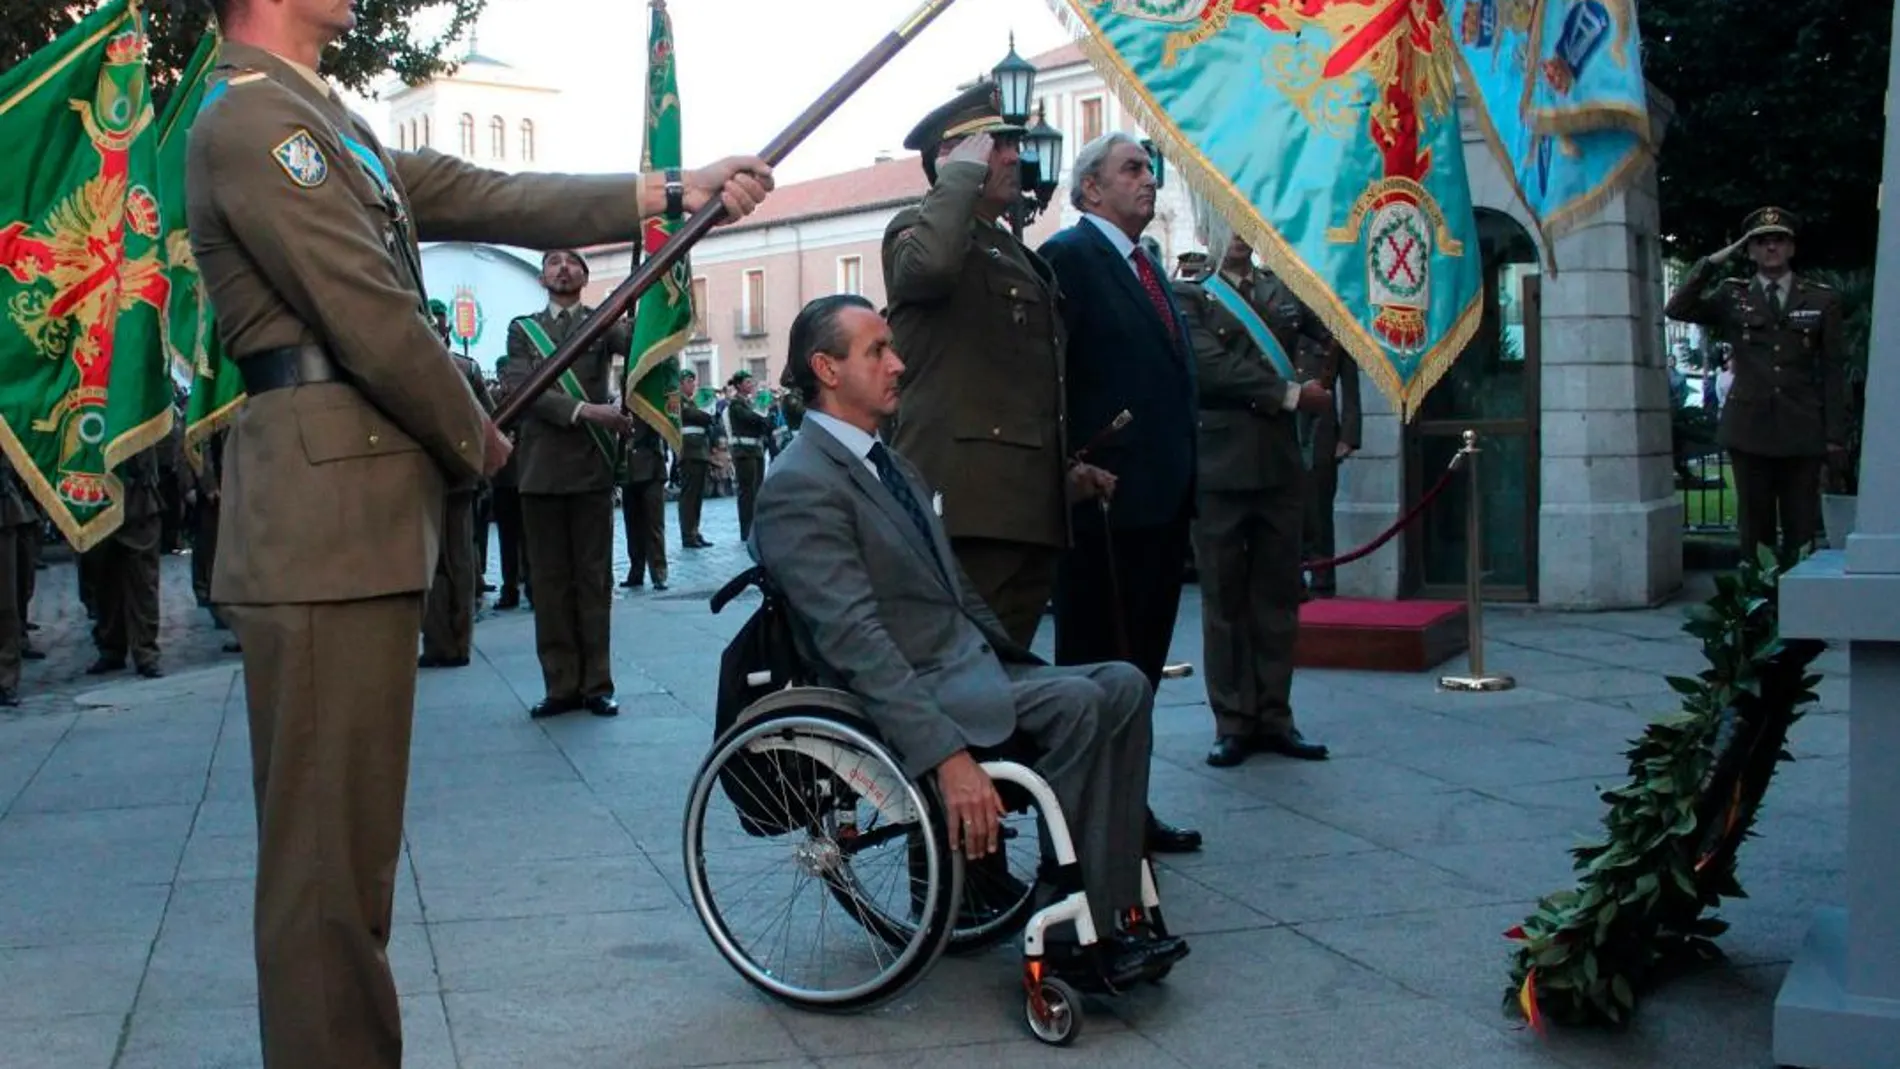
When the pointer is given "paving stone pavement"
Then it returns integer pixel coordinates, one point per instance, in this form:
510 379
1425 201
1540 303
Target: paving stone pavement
1346 913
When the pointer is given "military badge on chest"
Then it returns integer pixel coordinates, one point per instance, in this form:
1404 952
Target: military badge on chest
302 160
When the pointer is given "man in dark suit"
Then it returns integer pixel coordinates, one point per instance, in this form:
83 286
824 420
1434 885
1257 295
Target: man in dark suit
844 529
569 449
1787 411
1128 351
1245 324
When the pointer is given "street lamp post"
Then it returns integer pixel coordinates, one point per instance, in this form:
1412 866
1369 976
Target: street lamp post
1015 80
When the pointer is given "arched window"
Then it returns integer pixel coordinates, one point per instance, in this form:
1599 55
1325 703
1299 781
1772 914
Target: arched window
413 129
468 135
402 136
426 140
527 140
498 138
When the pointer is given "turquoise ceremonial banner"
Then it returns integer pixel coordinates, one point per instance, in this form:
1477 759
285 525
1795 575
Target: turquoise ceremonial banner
1557 87
1326 133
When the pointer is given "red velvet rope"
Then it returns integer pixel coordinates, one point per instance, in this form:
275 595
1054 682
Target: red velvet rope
1390 532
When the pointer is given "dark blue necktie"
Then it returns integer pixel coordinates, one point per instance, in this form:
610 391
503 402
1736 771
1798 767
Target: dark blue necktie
899 487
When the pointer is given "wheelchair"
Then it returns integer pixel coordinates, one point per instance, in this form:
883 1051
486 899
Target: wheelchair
823 874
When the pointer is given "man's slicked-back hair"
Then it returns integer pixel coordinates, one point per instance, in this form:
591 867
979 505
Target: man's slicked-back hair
221 9
818 330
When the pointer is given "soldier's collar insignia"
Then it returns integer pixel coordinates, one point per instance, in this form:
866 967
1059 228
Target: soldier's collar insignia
302 160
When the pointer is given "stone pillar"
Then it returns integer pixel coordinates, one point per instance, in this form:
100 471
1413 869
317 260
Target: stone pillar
1609 519
1371 487
1839 1006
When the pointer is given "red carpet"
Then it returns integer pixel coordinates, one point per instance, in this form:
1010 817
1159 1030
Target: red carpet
1379 636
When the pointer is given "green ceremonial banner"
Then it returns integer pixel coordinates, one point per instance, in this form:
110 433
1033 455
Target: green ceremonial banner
83 271
664 318
191 338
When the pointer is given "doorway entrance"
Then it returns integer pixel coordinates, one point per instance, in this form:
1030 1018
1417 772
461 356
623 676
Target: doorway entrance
1494 389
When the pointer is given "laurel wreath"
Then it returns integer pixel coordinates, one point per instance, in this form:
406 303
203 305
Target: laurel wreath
1639 907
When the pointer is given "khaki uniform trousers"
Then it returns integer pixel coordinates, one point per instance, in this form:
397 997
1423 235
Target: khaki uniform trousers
1247 551
124 579
331 691
571 566
448 622
1015 579
748 471
693 477
643 514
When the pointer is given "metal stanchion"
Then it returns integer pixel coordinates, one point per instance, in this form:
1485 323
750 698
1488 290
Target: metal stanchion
1476 679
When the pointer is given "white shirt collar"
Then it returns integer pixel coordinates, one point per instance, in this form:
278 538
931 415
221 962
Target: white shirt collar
852 438
1786 282
1122 242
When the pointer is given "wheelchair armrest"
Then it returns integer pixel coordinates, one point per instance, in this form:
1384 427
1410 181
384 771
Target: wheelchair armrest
738 584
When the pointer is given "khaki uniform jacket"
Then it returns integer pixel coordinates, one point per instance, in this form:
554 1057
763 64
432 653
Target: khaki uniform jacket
1328 364
976 319
1248 439
695 446
557 453
1789 398
748 422
646 459
335 491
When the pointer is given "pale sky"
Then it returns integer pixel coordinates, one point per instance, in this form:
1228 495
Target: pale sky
747 68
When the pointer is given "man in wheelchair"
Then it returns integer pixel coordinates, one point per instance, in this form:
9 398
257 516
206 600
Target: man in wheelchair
842 529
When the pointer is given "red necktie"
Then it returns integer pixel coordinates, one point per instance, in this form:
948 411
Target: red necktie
1152 283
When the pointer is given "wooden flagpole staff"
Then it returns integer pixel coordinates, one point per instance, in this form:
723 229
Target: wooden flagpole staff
710 215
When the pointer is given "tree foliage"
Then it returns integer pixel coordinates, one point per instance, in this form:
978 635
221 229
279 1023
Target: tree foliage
381 43
1777 102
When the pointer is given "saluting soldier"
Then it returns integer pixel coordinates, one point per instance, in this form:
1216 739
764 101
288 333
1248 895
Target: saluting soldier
696 432
448 621
1251 479
124 571
1786 411
305 228
643 507
750 429
974 313
1328 437
570 448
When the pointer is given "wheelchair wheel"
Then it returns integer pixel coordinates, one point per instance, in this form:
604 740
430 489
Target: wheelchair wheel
799 843
999 891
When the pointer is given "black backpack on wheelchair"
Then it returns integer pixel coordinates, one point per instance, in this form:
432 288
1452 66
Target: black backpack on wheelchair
769 790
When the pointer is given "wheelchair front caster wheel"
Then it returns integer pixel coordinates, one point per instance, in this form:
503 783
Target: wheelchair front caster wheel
1053 1010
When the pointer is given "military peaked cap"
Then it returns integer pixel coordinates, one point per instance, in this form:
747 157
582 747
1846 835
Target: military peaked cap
1769 221
976 110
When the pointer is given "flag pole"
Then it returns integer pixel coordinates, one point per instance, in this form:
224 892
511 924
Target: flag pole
656 266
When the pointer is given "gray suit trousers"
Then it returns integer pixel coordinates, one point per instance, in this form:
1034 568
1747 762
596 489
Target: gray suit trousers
1094 726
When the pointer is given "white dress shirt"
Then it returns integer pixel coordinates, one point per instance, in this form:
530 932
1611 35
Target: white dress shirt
1124 244
852 438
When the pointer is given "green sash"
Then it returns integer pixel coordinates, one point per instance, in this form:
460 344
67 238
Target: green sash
572 385
1242 310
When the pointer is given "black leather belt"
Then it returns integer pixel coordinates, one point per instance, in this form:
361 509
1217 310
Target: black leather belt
286 365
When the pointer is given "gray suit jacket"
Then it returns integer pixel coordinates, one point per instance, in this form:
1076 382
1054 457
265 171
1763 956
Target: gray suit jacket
921 650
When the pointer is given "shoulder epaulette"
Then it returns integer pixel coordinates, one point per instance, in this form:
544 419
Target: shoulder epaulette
1742 282
1811 284
220 85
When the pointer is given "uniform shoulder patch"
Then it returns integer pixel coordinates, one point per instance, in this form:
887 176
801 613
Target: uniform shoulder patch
302 160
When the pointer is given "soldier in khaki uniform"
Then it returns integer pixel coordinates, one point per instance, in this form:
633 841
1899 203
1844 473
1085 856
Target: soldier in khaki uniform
1327 438
1787 410
1251 479
750 431
448 621
124 573
643 507
570 447
305 229
696 432
17 521
974 313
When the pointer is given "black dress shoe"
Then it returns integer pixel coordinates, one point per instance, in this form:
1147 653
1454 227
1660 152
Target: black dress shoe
547 707
1292 744
8 698
657 585
441 662
32 627
508 601
151 671
631 583
1228 751
603 705
1168 839
31 654
232 647
106 664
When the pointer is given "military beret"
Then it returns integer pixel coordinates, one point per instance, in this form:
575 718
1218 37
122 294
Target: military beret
976 110
1769 221
575 253
738 377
